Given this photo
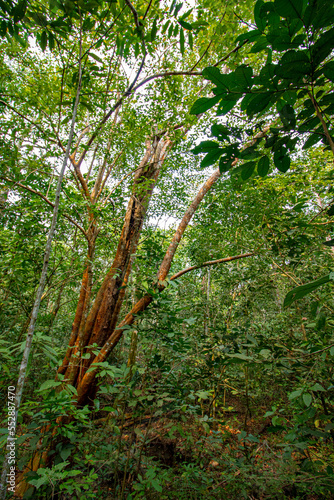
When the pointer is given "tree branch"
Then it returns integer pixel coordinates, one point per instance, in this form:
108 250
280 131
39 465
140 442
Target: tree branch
210 263
134 12
49 202
323 123
28 120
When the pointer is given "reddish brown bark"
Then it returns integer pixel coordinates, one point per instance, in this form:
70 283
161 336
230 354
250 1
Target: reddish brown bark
83 303
111 342
103 317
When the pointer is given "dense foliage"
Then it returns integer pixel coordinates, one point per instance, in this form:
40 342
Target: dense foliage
183 342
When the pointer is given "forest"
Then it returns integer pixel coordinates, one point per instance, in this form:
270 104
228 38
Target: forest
167 246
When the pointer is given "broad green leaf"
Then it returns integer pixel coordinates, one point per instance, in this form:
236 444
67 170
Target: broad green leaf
258 103
317 387
225 164
205 147
319 14
307 398
243 76
263 166
66 452
211 158
294 65
287 115
203 104
312 140
300 291
243 357
44 40
329 70
247 170
225 106
215 76
295 394
281 160
290 8
220 131
323 47
48 384
249 35
258 15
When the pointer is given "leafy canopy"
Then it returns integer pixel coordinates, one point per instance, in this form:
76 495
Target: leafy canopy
288 101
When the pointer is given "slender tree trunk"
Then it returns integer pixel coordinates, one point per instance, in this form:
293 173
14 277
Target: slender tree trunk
34 314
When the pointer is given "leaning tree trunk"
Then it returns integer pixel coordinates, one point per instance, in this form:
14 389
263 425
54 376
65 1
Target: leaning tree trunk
103 316
84 385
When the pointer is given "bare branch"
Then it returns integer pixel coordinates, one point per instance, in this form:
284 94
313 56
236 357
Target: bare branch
210 263
49 202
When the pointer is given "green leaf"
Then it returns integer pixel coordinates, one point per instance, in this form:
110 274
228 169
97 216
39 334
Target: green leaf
329 243
319 14
243 76
226 105
323 47
177 9
317 387
225 164
263 166
287 115
211 158
258 103
312 140
294 65
203 104
328 70
290 8
95 57
154 29
48 384
157 486
295 394
258 15
185 25
307 398
182 41
220 131
44 40
51 42
243 357
215 76
205 147
281 160
249 35
247 170
300 291
66 452
190 40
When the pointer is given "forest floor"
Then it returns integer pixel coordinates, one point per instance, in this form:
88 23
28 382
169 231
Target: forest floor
235 456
